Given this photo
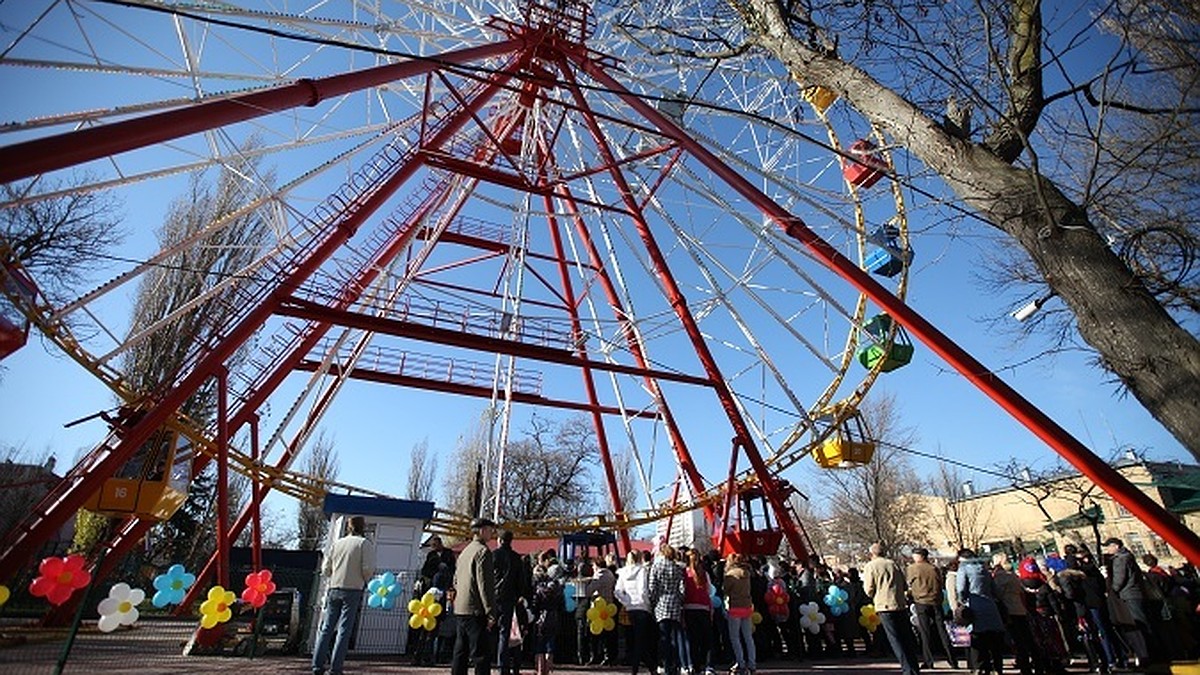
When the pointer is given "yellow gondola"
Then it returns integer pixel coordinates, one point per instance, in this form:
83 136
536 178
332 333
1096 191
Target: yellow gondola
153 484
848 444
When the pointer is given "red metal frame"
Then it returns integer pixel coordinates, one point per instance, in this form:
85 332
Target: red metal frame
28 159
63 503
1060 440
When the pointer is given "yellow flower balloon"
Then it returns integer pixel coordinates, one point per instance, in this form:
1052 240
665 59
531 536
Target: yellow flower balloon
601 616
216 609
868 618
423 613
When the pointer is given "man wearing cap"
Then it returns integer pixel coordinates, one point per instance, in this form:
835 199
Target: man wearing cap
1129 584
925 587
475 609
438 555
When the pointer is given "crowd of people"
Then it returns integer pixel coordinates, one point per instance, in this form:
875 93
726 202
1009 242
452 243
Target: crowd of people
687 613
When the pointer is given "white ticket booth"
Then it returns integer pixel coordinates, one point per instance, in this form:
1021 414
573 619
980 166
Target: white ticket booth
396 527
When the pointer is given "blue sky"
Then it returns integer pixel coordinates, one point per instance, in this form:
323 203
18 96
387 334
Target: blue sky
373 426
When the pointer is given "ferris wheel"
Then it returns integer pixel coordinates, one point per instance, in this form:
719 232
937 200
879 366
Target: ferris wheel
520 201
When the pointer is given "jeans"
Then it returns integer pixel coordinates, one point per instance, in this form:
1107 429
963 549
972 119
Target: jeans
741 639
341 608
471 645
899 634
672 646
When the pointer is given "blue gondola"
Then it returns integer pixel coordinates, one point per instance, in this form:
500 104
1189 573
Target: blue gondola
889 255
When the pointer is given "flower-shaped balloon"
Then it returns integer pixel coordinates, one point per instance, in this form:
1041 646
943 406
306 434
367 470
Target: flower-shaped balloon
424 612
837 601
120 607
4 594
259 587
777 599
171 586
216 609
383 591
601 616
60 578
811 617
868 618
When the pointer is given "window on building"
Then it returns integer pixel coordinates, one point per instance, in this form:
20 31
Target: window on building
1161 549
1122 512
1133 541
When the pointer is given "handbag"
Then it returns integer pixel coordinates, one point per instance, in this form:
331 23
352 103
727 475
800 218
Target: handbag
963 616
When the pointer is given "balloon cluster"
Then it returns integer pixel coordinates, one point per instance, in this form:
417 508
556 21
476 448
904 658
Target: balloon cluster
777 601
424 612
383 591
811 617
837 600
601 616
868 618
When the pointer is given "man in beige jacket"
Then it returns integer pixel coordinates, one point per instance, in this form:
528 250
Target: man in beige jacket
883 581
475 608
348 565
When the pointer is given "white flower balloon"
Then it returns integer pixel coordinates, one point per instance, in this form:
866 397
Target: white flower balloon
120 607
811 618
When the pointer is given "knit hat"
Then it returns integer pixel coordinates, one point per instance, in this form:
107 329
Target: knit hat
1028 569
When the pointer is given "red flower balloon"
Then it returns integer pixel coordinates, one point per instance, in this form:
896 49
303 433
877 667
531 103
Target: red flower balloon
60 577
258 588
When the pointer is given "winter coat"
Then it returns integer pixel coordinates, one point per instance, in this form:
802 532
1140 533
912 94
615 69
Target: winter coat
976 590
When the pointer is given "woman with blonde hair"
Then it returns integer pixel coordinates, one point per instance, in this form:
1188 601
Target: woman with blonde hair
740 608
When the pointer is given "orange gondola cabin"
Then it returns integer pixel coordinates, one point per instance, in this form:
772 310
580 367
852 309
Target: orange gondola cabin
153 484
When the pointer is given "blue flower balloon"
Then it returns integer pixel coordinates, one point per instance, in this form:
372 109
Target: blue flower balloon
836 599
171 586
383 591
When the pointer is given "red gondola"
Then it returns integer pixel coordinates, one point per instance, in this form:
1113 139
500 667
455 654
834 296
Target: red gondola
14 324
866 168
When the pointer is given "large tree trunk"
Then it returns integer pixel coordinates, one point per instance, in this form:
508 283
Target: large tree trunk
1133 334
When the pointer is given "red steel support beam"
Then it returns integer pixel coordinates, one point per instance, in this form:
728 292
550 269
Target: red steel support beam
1059 439
27 159
692 329
18 553
428 384
305 309
589 381
256 495
223 477
678 444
